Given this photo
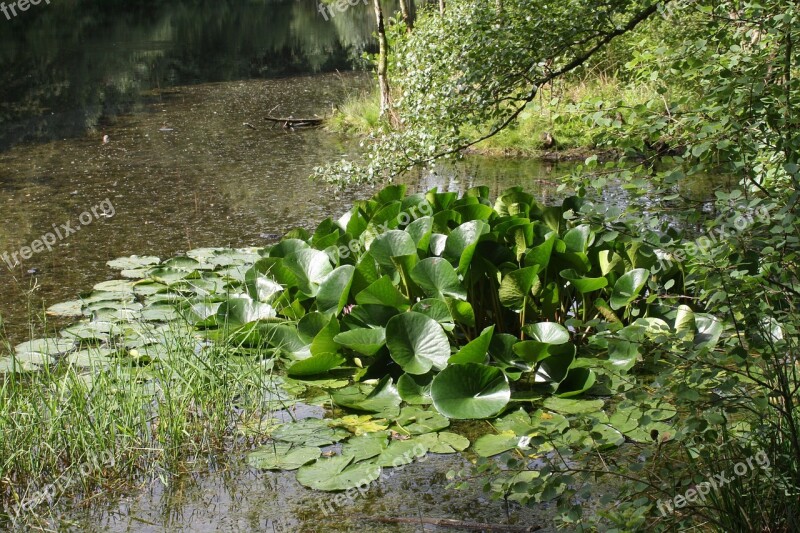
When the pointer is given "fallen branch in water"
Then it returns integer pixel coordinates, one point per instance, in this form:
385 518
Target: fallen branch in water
446 522
296 122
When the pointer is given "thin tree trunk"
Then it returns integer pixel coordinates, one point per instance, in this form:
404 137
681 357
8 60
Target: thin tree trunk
383 50
441 7
408 17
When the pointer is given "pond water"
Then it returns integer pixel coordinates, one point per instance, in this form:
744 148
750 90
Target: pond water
184 173
181 90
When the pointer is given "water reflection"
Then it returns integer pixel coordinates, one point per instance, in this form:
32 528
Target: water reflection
244 499
69 66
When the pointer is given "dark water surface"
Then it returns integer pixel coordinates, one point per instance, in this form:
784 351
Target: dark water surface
72 66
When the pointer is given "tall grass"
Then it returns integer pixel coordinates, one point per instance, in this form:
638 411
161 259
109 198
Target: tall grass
358 114
73 429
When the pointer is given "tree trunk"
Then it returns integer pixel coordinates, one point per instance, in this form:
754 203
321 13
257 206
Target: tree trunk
383 46
441 7
408 17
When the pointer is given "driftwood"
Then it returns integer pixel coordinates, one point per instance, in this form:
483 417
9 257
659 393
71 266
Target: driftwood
296 122
446 522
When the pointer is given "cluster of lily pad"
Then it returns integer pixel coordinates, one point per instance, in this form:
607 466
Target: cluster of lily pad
477 309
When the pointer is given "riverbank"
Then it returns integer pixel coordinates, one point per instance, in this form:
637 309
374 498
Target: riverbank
560 125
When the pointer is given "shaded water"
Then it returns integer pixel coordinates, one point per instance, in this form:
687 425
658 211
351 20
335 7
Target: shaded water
71 66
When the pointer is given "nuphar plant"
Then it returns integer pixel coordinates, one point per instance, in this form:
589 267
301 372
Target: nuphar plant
407 312
449 300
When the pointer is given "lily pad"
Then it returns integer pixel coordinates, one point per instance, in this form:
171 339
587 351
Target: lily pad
282 456
91 358
51 346
573 407
415 390
366 446
337 473
359 424
317 364
401 452
365 341
437 277
489 445
444 442
417 421
383 398
628 287
71 308
133 262
309 432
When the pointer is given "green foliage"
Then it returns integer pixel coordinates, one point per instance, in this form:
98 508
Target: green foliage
717 89
446 72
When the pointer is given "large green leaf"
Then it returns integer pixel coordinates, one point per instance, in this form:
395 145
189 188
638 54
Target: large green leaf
365 341
309 432
50 346
578 381
470 391
489 445
241 310
317 364
401 452
628 287
420 231
310 267
556 365
515 289
393 243
578 238
366 446
461 311
337 473
573 406
417 343
547 332
582 284
541 254
443 442
282 456
383 398
437 277
474 351
383 292
461 243
416 421
415 390
437 310
335 289
709 330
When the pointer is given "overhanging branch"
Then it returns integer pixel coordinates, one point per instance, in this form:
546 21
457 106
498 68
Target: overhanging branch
637 19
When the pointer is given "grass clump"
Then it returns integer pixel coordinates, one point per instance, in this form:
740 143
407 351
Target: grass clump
359 114
82 424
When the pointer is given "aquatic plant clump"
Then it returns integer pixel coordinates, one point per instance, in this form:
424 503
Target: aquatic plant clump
406 313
